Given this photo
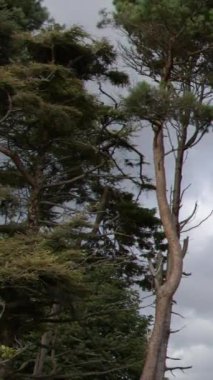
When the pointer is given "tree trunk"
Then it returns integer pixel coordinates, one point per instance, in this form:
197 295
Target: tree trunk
176 204
47 346
165 292
34 201
33 209
151 363
161 365
41 356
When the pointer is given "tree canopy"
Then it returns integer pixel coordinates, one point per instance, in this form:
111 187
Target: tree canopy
74 239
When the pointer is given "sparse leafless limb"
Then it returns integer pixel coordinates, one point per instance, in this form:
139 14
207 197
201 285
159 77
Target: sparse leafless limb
177 330
153 273
171 358
184 191
149 305
185 246
186 274
171 369
200 223
107 95
178 314
189 218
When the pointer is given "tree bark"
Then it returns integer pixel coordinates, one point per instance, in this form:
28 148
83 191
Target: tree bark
176 204
161 365
34 200
33 209
165 291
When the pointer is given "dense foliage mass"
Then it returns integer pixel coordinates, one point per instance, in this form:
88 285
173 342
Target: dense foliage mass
77 245
72 242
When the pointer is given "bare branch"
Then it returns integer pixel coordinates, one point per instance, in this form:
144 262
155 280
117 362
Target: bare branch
187 220
200 223
177 330
178 314
183 192
171 369
185 246
171 358
154 274
108 95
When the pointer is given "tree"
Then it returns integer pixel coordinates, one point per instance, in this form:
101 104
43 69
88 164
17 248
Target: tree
59 147
51 144
16 17
171 44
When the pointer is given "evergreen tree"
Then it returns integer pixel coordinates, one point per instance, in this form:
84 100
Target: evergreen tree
171 44
59 147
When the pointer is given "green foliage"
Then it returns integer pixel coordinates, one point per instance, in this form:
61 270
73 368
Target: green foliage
74 49
17 16
99 326
27 14
56 126
6 352
109 340
154 26
60 146
148 102
151 103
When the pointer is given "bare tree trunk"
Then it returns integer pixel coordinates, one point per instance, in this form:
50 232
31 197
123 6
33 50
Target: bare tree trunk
161 365
165 291
175 209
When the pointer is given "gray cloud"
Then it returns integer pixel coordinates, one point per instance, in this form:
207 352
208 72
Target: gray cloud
83 12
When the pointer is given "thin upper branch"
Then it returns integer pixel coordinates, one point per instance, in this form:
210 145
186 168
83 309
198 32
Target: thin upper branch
18 163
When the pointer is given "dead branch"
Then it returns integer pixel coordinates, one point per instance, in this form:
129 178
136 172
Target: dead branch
108 95
183 192
178 314
187 220
171 369
153 273
171 358
185 246
200 223
177 330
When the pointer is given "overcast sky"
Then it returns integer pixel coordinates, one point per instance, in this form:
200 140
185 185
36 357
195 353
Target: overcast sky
194 344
